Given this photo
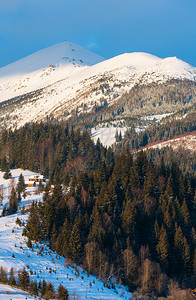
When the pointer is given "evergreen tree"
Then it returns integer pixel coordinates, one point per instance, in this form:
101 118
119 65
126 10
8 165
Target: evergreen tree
4 164
43 288
33 289
23 279
75 244
50 292
62 293
21 185
13 202
3 275
12 280
129 219
163 249
97 231
185 213
7 174
34 225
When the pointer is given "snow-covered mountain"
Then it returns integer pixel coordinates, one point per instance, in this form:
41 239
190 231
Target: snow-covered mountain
66 80
43 68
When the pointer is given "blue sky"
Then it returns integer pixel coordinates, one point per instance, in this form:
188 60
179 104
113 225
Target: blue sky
107 27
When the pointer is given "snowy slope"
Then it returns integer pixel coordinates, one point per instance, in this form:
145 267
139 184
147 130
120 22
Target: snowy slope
44 264
168 68
187 142
66 78
7 292
44 68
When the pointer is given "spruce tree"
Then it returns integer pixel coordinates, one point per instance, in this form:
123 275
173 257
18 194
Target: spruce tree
43 288
185 213
50 292
163 249
62 293
33 289
97 232
7 174
75 244
12 280
21 185
13 202
23 279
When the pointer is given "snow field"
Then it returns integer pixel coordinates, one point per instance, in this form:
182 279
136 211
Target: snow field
7 292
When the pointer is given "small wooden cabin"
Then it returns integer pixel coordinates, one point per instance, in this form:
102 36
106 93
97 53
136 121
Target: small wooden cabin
37 178
30 184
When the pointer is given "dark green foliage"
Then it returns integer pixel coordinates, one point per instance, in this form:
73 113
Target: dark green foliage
33 289
163 249
75 247
50 149
62 293
50 292
21 185
23 279
3 275
13 201
115 218
12 280
43 288
7 174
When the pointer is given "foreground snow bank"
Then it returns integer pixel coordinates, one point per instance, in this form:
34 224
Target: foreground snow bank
7 292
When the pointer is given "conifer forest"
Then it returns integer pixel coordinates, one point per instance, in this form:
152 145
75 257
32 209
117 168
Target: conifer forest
119 214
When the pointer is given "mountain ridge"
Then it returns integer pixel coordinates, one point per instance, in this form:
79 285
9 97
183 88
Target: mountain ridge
72 80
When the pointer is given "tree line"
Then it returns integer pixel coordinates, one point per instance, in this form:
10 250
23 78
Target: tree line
157 132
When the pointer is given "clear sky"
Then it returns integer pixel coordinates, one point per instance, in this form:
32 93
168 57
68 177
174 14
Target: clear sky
107 27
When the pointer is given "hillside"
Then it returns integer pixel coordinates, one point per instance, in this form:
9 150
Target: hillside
40 261
123 218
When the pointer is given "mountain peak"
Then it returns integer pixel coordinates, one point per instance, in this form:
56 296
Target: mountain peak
59 54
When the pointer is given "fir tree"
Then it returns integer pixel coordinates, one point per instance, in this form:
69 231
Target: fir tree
7 174
97 232
75 244
50 292
62 293
13 202
12 280
163 249
185 213
21 185
33 289
3 275
23 279
43 288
